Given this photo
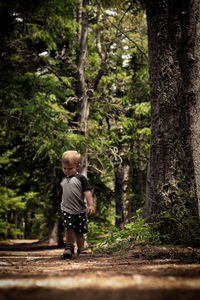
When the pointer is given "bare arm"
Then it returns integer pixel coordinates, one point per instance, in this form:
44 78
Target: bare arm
90 202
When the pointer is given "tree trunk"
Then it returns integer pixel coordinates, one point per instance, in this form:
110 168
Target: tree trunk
54 219
16 222
131 190
81 88
119 190
173 32
27 229
136 181
193 91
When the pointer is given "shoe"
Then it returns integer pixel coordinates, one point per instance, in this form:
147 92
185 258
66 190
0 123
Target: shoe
83 251
68 252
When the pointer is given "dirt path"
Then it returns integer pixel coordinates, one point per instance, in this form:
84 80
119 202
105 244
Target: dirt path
41 274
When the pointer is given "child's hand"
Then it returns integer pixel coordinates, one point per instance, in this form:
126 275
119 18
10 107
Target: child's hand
91 210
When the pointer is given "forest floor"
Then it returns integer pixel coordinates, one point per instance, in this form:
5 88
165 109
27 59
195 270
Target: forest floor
29 271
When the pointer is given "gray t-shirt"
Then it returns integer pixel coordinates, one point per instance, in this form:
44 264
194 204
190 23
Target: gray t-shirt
73 188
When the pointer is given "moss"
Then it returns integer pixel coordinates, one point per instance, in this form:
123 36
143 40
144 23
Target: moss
178 219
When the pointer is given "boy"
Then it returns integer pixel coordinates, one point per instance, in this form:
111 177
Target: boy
75 188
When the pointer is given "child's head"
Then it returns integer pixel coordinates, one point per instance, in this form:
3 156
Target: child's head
71 157
71 161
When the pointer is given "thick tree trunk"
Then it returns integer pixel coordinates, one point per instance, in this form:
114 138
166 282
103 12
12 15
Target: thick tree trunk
192 81
173 31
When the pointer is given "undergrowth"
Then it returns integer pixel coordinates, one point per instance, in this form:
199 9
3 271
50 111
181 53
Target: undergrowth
109 239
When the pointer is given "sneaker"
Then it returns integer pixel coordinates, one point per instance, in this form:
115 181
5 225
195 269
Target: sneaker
83 251
68 252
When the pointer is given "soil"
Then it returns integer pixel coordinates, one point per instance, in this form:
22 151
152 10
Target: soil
36 271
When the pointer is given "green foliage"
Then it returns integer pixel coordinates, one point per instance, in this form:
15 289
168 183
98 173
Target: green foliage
96 231
39 106
142 108
9 203
34 133
111 239
9 200
168 224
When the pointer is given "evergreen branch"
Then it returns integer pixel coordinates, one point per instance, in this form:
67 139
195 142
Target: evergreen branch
51 69
59 77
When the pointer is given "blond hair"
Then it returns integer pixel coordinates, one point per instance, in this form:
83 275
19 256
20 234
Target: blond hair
71 157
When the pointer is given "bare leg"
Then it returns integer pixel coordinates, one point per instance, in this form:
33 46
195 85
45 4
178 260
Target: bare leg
70 236
80 240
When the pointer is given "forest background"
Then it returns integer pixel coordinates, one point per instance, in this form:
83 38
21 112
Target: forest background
75 75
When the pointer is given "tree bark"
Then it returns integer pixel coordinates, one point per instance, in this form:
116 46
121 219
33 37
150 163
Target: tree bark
173 181
193 90
81 88
119 190
55 232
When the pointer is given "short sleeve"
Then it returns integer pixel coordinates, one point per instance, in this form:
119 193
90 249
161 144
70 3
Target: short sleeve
84 182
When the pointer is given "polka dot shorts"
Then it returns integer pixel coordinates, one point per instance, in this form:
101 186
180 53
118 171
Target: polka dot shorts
77 222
